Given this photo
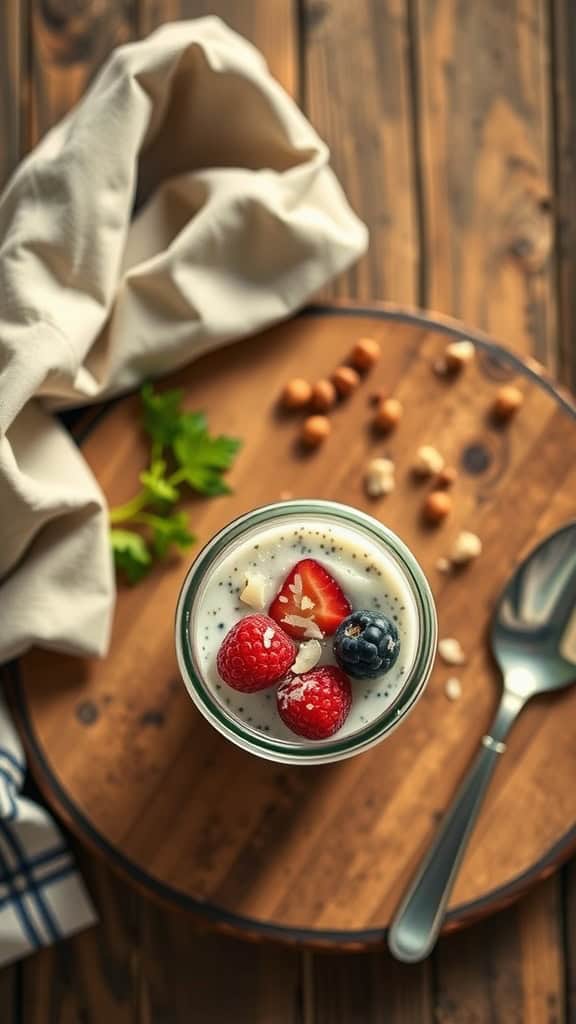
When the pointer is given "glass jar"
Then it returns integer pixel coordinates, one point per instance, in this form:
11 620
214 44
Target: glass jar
216 708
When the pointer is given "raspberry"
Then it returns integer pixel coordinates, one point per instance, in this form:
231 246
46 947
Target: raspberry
315 704
255 654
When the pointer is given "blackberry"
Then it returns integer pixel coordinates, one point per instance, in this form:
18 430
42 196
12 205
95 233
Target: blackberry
366 644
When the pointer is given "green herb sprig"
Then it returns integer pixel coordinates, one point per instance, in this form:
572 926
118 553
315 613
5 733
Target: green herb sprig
182 455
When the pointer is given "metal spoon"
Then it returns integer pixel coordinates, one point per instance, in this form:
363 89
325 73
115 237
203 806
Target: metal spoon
529 639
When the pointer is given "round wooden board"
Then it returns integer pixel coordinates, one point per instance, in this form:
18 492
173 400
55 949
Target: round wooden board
321 855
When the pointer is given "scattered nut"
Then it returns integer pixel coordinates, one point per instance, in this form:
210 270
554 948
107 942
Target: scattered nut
443 564
315 430
254 593
457 355
296 394
453 688
323 396
436 507
346 380
379 479
365 354
446 477
428 461
388 414
308 656
507 402
451 651
467 547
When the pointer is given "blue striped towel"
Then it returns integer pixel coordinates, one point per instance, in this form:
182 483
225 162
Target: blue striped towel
42 898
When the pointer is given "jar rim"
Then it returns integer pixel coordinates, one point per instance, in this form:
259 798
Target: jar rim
323 751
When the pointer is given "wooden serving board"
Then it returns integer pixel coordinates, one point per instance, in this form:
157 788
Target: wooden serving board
322 855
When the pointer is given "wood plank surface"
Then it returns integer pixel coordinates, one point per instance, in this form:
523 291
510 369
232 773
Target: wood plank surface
484 161
356 90
563 68
13 82
405 264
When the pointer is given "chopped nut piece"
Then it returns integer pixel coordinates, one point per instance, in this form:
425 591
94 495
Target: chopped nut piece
467 547
296 394
311 628
453 688
365 354
436 507
254 593
451 651
323 396
507 402
315 430
379 479
428 461
457 354
446 477
267 637
346 380
388 414
308 656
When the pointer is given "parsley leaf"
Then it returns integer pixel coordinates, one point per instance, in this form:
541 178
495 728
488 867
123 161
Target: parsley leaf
131 554
181 451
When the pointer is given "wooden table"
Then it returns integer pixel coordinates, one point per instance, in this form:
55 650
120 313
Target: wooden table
452 129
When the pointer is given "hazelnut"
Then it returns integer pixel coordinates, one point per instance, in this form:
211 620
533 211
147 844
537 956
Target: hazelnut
296 393
507 402
365 354
428 461
315 430
436 507
457 354
446 477
388 414
467 547
323 395
346 380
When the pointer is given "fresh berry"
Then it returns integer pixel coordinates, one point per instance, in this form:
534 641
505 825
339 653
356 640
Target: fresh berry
255 654
310 602
366 644
315 704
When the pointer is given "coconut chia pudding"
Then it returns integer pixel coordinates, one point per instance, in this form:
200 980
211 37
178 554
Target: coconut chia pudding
304 628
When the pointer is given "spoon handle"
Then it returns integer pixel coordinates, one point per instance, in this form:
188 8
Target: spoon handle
418 921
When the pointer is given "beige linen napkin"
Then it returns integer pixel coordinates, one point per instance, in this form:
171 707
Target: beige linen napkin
184 203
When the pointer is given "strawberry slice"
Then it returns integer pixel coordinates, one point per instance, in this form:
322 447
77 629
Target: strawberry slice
310 603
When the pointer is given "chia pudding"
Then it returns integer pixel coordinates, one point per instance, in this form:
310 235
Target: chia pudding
246 578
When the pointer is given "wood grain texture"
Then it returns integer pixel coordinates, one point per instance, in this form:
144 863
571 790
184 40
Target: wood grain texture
13 30
369 989
356 91
269 24
93 977
507 970
484 161
198 977
564 92
69 40
237 849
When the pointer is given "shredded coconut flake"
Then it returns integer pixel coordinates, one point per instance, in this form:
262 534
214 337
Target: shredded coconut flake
306 604
268 637
282 599
308 656
311 629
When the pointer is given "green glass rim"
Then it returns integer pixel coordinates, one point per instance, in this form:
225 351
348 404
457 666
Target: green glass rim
336 749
